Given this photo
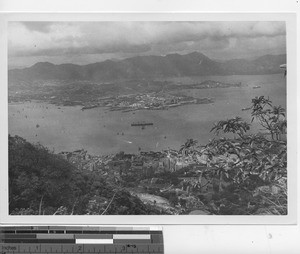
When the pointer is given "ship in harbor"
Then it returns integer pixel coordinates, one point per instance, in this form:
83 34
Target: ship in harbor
142 124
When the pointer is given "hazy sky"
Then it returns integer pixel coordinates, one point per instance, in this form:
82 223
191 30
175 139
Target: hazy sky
88 42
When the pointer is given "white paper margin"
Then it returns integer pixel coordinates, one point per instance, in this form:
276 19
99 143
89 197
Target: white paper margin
290 219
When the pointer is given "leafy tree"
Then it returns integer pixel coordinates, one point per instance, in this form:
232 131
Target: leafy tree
271 118
188 146
233 125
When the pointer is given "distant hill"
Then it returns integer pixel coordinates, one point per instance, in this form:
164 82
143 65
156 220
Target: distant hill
267 64
146 67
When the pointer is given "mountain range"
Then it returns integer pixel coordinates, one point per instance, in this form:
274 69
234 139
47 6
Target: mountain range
149 67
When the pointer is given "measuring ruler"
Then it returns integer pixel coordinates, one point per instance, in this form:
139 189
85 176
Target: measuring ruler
59 239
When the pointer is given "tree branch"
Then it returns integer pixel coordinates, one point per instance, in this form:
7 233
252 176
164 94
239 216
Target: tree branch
109 203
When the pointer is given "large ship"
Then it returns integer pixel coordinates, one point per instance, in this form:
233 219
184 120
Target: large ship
141 123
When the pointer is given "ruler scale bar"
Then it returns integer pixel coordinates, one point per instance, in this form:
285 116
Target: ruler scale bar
124 236
10 235
38 240
45 228
55 236
94 236
111 248
84 240
95 241
132 241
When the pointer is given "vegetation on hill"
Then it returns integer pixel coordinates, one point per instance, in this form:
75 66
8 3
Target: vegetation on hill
41 182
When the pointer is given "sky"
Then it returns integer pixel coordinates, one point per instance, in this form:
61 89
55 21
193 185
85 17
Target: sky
89 42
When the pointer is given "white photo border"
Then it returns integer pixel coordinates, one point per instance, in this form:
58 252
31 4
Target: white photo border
291 31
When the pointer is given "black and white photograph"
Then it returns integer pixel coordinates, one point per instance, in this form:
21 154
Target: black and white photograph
147 117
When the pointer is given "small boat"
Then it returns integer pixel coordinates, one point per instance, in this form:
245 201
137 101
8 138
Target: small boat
243 109
255 87
141 124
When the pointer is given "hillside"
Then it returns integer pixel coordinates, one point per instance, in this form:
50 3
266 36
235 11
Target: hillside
149 67
44 183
